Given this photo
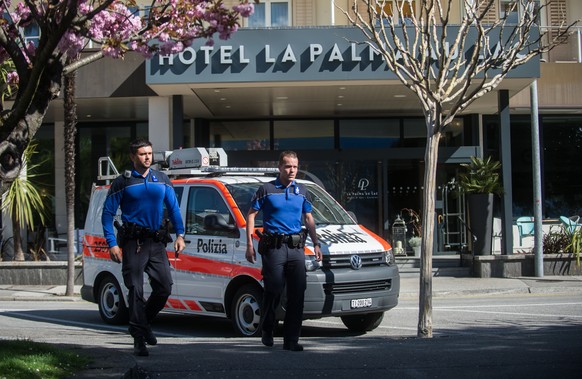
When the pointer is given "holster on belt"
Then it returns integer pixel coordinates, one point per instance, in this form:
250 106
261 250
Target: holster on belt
131 231
275 241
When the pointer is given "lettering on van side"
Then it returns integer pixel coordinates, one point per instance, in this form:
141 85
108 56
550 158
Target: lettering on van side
211 246
329 237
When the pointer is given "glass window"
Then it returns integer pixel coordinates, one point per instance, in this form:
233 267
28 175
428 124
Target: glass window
414 132
562 143
270 13
373 134
453 134
279 13
509 9
32 34
326 210
179 191
204 201
240 135
303 134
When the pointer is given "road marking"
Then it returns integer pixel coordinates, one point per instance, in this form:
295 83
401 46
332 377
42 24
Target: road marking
537 315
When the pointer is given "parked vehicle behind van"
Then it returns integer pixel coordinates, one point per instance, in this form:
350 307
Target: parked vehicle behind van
357 280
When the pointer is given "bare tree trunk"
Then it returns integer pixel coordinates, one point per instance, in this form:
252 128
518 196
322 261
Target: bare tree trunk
70 132
17 238
428 220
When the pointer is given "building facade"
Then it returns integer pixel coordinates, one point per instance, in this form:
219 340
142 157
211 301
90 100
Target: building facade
295 79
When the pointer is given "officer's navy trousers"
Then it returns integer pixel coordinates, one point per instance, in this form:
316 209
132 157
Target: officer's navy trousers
284 266
153 260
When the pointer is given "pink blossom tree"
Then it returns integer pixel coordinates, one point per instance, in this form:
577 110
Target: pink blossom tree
66 27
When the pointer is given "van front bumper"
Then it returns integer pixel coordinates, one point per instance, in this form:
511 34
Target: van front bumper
343 292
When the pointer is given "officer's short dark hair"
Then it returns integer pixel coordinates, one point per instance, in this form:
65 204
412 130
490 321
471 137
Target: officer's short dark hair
287 153
137 144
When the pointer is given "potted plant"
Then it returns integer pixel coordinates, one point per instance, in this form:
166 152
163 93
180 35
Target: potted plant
480 182
414 243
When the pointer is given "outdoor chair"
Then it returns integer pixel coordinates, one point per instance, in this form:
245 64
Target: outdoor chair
570 223
525 227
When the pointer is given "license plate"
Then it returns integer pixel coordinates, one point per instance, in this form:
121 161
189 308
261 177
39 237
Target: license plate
361 303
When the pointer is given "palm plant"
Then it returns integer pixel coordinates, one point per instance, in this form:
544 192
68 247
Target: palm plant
575 245
481 176
23 201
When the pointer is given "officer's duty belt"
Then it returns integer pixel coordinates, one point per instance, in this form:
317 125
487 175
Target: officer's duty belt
272 240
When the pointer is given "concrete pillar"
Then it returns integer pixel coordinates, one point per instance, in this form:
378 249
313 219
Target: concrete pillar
160 122
505 149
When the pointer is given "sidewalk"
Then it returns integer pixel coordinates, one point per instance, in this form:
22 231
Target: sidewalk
126 365
409 288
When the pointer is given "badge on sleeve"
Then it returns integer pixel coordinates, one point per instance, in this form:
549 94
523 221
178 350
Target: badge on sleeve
296 190
154 178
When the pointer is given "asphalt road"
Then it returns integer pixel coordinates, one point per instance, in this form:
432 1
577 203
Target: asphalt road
508 336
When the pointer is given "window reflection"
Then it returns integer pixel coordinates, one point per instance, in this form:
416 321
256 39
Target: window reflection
303 134
240 135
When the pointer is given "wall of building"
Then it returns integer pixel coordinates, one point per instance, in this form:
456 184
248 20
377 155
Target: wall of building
559 86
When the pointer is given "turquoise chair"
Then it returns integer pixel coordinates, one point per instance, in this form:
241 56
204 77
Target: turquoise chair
570 223
525 227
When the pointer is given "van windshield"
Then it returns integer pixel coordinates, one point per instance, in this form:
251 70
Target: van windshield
325 209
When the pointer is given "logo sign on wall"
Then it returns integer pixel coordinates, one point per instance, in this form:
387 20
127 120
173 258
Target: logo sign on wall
362 191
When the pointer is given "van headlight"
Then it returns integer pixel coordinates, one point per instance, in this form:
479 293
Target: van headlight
389 257
311 264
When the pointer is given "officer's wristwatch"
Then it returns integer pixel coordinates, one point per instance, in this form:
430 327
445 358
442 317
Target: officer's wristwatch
180 235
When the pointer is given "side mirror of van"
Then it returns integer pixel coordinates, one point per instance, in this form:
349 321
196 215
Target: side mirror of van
216 222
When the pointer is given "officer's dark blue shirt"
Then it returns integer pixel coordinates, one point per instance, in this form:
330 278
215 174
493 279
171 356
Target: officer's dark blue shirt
141 201
282 207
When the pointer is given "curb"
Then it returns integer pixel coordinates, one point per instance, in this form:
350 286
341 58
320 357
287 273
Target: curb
496 291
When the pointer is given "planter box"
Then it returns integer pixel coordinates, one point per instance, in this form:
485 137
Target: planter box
38 273
517 265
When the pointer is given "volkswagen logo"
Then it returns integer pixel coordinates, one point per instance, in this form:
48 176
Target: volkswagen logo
356 262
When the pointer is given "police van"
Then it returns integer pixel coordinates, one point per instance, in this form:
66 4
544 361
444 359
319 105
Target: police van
357 280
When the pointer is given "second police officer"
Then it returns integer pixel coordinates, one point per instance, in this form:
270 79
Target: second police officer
284 204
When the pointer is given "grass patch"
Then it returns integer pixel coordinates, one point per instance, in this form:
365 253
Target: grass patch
28 359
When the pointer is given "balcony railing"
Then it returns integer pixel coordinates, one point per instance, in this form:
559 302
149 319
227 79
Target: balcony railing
568 52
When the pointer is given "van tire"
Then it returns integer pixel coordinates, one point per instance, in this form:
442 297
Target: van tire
364 322
246 311
112 306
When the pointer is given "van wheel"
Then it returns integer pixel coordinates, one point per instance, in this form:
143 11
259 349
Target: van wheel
246 311
112 307
364 322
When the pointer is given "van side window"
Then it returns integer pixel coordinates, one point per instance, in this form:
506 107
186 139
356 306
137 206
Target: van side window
178 191
203 201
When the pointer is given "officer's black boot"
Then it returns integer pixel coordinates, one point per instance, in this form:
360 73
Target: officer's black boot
150 338
139 347
293 346
267 338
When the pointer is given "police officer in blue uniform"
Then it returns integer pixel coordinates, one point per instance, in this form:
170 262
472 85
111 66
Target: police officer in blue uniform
283 203
141 194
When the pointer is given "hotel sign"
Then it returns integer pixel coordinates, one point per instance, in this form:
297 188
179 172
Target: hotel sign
281 55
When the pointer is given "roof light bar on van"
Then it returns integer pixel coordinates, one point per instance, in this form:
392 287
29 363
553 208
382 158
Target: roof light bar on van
192 157
241 170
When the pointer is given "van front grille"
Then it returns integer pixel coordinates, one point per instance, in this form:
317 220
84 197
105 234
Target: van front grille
343 288
343 260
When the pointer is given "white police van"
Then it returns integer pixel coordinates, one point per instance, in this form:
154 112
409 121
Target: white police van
357 280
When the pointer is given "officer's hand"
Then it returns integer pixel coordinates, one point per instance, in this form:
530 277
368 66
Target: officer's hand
179 245
115 254
318 254
250 254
